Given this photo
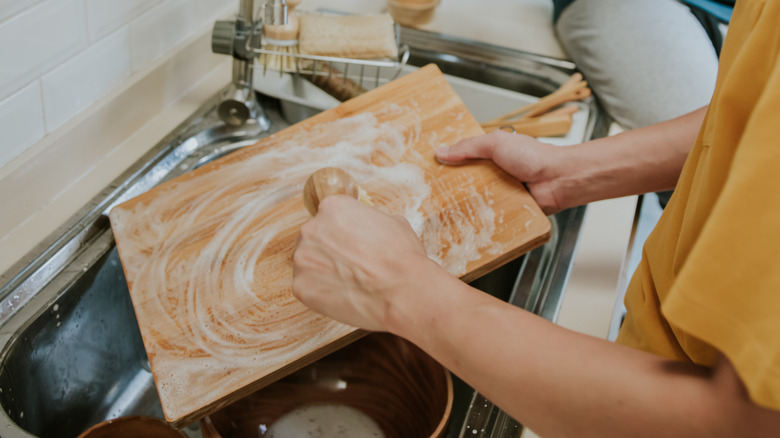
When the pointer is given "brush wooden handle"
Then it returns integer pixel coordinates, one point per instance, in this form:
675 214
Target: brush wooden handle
334 82
285 32
326 182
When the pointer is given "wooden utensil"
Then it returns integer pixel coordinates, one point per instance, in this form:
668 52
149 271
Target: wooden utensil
326 182
575 88
334 82
548 125
207 255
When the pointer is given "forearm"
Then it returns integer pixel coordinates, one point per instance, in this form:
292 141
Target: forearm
370 270
559 382
639 161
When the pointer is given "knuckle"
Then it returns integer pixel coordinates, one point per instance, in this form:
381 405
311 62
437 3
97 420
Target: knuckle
329 203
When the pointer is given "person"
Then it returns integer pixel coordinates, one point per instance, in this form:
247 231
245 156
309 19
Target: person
699 351
648 61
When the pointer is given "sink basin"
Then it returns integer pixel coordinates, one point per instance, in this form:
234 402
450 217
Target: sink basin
71 352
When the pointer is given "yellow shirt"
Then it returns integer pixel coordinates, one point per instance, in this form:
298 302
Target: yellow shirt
709 280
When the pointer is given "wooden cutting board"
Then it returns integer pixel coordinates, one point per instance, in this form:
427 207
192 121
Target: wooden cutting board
207 255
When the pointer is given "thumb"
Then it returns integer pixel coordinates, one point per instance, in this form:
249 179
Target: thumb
481 146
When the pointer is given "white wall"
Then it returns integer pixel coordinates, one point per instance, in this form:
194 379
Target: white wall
58 57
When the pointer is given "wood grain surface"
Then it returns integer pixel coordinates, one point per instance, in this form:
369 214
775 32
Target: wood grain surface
207 256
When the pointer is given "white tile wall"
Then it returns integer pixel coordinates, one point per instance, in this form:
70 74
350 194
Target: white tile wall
38 39
157 30
104 16
57 57
73 86
9 8
21 121
212 8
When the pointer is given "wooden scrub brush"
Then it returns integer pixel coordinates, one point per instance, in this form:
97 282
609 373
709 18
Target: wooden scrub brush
283 39
330 181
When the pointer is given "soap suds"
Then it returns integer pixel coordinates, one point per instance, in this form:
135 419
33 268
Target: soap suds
219 246
325 421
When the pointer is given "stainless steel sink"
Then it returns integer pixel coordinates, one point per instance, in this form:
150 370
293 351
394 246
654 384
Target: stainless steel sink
71 348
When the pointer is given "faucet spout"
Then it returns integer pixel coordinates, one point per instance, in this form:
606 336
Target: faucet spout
240 105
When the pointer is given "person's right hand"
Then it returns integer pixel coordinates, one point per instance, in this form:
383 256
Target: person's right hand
359 265
523 157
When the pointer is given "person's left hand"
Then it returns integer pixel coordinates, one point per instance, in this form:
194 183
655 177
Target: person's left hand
355 264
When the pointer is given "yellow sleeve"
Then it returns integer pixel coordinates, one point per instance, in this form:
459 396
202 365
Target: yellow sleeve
727 293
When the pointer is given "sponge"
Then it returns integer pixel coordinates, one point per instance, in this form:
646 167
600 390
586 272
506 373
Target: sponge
348 36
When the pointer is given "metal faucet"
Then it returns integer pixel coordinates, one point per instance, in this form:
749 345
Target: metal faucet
236 38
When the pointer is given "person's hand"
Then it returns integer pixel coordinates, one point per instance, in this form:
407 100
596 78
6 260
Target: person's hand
523 157
354 263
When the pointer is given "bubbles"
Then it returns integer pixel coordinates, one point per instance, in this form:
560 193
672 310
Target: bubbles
325 421
218 247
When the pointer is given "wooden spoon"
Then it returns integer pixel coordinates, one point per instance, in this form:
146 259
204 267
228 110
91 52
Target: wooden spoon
326 182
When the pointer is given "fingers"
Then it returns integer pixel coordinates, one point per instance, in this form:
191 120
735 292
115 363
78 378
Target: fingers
335 203
481 146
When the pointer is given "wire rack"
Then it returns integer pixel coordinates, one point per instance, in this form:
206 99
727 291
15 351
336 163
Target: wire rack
368 73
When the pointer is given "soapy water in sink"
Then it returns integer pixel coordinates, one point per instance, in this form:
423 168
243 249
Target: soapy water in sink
324 421
237 260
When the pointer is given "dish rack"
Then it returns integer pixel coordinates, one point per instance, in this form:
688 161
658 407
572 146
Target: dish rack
359 71
243 39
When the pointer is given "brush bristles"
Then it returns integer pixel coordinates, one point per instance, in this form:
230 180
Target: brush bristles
279 61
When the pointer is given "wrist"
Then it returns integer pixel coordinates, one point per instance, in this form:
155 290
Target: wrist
414 307
584 173
554 188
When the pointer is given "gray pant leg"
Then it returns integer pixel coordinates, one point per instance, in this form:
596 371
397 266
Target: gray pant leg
646 60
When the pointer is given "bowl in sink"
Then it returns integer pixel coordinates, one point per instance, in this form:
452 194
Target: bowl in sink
132 427
379 386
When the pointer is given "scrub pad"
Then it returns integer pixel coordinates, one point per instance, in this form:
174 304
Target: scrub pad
348 36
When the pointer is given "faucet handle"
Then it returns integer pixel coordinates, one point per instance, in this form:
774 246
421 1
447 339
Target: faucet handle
223 37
